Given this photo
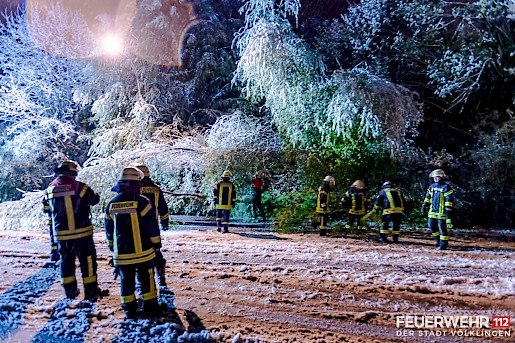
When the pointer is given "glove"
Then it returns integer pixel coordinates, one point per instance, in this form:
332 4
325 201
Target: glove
54 254
423 210
448 222
116 270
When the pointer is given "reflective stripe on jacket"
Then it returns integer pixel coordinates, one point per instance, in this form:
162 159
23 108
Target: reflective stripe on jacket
225 195
355 201
67 202
157 199
391 200
323 199
440 197
131 229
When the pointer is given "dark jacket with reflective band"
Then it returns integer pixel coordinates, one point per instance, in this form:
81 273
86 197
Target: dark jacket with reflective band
440 198
354 199
391 200
68 201
157 199
323 198
131 229
225 195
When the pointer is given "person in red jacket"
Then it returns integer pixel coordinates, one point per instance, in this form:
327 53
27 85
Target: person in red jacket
257 187
67 202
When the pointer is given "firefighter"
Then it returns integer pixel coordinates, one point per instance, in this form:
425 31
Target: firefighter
67 202
150 190
355 200
391 201
323 197
133 236
225 200
438 205
257 187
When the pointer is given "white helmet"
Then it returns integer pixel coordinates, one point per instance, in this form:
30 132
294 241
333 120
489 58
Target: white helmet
131 173
437 172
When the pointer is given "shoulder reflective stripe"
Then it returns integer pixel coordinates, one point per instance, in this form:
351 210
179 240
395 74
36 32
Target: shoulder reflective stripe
60 194
128 298
156 239
145 210
430 191
148 189
83 191
449 193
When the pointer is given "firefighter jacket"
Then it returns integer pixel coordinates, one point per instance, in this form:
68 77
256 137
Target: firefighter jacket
225 195
355 199
150 190
323 198
390 200
68 201
439 199
131 228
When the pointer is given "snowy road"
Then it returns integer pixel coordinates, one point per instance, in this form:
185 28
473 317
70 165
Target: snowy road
265 287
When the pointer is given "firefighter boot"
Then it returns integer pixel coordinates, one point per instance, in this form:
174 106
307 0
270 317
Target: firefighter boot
444 244
436 235
383 238
323 232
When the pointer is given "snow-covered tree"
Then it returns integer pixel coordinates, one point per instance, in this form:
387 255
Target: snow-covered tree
310 108
37 110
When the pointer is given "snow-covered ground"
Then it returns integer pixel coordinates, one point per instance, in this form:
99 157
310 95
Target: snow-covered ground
263 287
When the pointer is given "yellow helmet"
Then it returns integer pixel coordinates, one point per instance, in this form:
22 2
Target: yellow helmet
437 172
143 168
259 174
227 173
131 173
358 184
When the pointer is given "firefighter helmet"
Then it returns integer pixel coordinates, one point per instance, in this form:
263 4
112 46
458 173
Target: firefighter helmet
259 174
131 173
68 167
227 173
387 184
144 169
329 178
437 172
358 184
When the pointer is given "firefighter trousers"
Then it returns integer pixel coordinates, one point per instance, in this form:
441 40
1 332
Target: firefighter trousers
438 228
395 219
145 272
84 250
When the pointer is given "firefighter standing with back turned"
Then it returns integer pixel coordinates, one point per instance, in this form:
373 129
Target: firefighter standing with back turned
225 200
355 200
391 201
67 202
152 191
323 209
133 236
438 205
